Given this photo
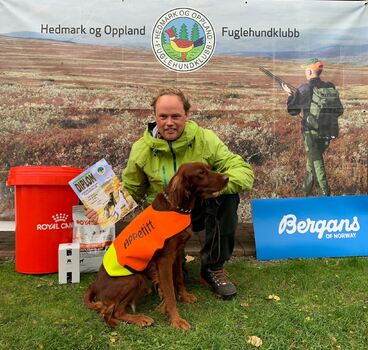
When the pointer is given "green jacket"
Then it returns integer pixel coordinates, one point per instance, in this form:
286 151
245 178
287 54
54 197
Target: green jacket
153 162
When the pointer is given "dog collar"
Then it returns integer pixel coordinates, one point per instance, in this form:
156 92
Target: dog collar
180 210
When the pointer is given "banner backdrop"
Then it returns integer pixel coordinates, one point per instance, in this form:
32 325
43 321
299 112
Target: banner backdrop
77 79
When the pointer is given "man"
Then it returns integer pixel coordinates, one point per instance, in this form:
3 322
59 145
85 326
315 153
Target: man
173 139
314 144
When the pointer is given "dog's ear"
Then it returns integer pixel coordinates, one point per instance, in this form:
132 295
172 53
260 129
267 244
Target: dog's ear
174 183
178 189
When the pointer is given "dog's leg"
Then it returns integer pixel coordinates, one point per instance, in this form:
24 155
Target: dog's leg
138 319
114 317
108 315
166 283
182 292
152 272
131 299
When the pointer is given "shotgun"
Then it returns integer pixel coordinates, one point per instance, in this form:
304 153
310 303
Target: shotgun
278 79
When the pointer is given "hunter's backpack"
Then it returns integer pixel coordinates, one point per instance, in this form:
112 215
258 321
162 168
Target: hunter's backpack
324 112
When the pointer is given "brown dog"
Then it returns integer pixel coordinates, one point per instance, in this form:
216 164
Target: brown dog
111 296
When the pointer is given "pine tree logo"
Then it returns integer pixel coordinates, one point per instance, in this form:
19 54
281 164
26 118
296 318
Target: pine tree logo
183 40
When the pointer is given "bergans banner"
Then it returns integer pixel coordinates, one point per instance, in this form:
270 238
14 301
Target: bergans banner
281 83
311 228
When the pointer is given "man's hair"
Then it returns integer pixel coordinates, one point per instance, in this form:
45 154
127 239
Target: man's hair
172 92
315 65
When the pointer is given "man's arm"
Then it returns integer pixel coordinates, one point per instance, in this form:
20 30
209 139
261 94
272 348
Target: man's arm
134 179
293 105
240 173
299 100
286 89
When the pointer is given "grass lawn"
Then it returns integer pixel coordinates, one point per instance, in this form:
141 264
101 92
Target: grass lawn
323 305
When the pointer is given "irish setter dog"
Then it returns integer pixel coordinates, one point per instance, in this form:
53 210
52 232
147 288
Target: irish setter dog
113 296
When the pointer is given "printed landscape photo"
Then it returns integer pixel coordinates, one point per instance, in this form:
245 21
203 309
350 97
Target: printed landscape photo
64 103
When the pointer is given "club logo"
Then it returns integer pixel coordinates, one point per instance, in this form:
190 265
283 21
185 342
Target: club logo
101 170
183 40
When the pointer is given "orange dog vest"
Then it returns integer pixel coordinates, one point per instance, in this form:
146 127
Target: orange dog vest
133 249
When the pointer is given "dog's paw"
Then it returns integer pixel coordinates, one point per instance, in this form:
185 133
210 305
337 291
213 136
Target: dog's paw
112 322
188 298
144 321
180 323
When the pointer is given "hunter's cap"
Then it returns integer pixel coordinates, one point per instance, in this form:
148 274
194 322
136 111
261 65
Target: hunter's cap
314 64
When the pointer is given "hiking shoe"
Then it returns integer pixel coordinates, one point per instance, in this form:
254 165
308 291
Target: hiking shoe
219 282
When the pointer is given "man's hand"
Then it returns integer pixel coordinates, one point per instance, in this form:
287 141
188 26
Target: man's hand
92 216
286 89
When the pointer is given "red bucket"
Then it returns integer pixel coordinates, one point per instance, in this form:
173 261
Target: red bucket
43 215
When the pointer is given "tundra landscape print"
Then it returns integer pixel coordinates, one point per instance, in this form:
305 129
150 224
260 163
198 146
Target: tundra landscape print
72 97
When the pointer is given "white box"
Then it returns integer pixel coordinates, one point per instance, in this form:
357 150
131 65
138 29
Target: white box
69 263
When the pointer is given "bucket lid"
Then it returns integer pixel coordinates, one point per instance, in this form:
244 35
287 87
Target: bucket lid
41 175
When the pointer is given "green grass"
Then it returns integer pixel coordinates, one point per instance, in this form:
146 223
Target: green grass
323 305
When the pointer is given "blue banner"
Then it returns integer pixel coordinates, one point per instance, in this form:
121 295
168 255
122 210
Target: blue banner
310 227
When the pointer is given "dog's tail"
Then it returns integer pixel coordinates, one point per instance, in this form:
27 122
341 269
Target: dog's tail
105 310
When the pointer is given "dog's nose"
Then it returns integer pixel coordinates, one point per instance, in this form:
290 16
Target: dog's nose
226 178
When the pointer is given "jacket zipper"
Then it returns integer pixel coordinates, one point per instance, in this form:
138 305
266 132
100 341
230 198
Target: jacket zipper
164 175
163 167
173 155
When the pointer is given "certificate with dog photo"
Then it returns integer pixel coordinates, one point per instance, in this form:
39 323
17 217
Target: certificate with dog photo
101 190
